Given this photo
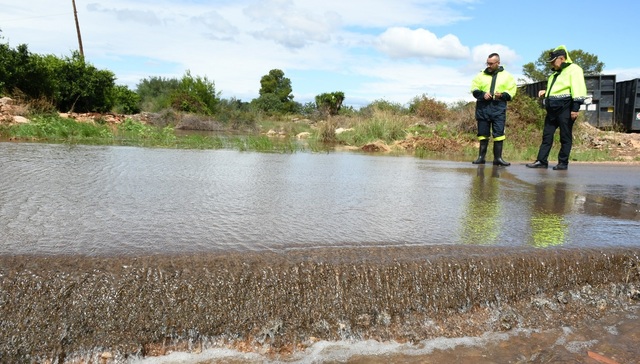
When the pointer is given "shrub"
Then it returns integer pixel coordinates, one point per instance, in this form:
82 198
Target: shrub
155 92
383 106
195 95
429 108
327 131
126 101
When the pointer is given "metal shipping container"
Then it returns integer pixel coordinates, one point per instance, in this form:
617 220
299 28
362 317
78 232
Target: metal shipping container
601 90
628 104
531 89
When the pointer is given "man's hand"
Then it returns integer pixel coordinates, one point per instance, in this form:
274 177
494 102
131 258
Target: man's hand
542 93
574 115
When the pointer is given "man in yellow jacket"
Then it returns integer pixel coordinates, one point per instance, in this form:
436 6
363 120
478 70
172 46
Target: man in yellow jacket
492 88
566 91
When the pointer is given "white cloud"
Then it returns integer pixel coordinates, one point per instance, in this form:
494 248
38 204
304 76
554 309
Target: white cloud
480 53
402 81
147 17
623 74
235 43
216 26
292 26
381 14
398 42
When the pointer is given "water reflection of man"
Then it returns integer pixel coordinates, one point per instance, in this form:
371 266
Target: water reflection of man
548 223
481 223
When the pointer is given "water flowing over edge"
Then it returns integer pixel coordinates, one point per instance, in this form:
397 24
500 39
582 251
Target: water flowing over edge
61 308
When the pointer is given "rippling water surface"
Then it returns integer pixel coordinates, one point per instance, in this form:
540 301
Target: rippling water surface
58 199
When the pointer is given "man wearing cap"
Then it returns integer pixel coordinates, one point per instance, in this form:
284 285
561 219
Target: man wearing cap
566 91
492 88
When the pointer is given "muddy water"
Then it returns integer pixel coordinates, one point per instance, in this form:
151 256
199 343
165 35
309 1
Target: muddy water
278 304
57 199
248 258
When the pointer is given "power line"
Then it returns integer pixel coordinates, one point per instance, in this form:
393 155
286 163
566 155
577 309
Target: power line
34 17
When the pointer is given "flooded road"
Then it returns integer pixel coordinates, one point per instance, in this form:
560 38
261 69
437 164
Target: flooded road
124 255
58 199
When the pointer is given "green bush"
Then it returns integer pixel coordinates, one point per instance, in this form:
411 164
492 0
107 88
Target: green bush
126 101
429 108
155 92
81 87
381 125
70 83
195 94
384 106
524 110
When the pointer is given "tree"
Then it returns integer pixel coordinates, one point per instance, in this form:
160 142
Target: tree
24 73
275 93
81 87
540 70
330 103
70 83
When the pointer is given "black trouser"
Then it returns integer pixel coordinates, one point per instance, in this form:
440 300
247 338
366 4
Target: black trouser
554 120
491 117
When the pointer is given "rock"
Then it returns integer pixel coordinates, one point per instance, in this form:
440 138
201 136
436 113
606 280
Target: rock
378 146
20 120
105 357
364 320
6 101
342 130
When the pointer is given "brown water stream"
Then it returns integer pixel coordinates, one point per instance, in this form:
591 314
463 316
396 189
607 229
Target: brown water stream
72 308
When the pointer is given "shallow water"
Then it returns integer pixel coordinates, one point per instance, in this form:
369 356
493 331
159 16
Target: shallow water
249 258
59 199
614 338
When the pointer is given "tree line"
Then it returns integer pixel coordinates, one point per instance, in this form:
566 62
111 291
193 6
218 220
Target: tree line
70 84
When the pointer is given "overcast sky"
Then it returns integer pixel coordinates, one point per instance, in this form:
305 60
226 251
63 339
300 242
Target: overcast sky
369 49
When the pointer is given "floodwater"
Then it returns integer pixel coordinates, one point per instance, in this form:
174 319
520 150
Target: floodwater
236 257
59 199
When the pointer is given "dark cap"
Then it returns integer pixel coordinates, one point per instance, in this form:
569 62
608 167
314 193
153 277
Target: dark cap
555 54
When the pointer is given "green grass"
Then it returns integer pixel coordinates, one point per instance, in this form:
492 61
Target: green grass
54 129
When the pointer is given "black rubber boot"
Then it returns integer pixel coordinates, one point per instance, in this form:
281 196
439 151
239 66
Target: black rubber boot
484 144
497 155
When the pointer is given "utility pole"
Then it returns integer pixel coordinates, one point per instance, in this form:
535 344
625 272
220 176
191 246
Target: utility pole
75 14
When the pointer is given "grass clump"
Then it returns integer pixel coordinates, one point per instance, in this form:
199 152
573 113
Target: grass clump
52 128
